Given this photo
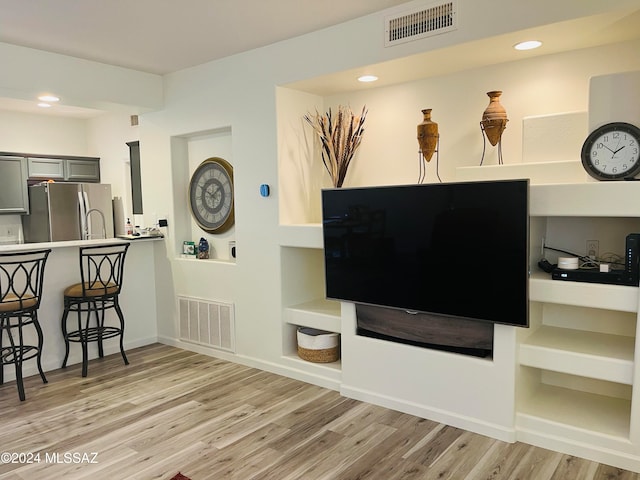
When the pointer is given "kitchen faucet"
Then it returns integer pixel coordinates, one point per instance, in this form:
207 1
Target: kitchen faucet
88 235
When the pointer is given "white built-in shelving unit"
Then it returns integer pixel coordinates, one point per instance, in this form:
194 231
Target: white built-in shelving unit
577 386
578 378
570 382
576 365
304 299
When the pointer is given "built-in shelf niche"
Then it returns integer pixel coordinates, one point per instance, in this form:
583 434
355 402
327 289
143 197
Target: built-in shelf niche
303 280
328 375
187 152
576 407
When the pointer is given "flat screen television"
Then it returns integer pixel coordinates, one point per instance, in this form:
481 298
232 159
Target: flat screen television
452 249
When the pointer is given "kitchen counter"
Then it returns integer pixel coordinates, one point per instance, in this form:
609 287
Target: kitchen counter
21 247
138 298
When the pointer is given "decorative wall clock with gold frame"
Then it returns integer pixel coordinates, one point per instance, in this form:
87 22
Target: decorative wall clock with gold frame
211 193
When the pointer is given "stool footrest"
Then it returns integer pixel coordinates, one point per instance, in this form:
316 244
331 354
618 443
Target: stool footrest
93 334
9 355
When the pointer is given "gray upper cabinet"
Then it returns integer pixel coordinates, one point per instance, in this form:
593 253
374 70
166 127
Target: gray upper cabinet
14 197
52 168
82 170
69 169
17 170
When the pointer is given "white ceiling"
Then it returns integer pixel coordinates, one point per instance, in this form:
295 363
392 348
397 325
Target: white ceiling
163 36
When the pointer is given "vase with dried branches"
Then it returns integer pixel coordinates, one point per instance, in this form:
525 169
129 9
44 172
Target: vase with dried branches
340 136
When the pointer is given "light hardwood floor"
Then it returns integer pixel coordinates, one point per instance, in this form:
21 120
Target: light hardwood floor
171 410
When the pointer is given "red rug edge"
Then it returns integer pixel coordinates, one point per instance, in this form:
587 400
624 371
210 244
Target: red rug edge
180 476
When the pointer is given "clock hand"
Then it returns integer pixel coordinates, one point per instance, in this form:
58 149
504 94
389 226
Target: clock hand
619 149
212 190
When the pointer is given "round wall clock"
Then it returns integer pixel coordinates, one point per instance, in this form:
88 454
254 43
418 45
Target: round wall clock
211 195
612 151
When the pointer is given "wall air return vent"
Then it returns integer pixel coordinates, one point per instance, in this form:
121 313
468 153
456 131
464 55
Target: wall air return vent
207 323
420 23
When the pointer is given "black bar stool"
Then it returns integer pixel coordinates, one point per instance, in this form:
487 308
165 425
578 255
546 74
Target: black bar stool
21 279
101 275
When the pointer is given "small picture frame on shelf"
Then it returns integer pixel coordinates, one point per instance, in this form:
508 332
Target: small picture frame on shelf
189 248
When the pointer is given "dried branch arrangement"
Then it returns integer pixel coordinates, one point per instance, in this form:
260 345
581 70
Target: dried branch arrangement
340 136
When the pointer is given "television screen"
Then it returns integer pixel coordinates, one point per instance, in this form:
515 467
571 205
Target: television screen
452 249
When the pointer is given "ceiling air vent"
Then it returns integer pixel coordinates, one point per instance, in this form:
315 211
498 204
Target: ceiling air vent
420 23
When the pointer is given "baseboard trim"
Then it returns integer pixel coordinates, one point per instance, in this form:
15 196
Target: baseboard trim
579 449
470 424
297 374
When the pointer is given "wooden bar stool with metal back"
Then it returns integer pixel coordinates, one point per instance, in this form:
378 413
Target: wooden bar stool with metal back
101 275
21 279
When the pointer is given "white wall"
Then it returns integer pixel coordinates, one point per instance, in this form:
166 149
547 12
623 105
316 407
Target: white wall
107 137
44 134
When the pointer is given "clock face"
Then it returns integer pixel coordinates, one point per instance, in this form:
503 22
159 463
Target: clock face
211 195
612 152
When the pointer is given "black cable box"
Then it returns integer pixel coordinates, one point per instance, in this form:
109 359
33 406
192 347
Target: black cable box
630 275
615 277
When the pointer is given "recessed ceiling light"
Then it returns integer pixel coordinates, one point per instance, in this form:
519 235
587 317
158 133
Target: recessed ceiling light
528 45
44 105
367 78
48 98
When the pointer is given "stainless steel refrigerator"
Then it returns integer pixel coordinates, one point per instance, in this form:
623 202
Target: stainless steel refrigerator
68 211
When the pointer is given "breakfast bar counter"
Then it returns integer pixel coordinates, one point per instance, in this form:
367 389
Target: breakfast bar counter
22 247
137 299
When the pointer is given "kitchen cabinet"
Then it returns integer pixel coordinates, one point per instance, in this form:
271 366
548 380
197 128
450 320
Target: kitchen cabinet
136 178
70 169
82 170
14 198
50 168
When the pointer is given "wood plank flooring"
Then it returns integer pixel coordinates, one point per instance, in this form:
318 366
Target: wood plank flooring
171 410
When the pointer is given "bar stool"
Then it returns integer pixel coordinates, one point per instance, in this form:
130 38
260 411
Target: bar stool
101 275
21 279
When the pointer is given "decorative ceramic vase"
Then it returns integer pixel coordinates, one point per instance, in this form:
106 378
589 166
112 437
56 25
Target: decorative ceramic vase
427 135
494 118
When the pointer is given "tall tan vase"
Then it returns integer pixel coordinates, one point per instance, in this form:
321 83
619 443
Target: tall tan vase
427 135
494 118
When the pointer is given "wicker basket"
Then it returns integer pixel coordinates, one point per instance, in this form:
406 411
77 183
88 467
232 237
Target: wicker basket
318 346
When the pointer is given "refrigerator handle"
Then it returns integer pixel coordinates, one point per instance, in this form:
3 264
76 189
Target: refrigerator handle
82 201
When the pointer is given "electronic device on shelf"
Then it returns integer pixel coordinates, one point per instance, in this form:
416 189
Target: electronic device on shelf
629 275
430 248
